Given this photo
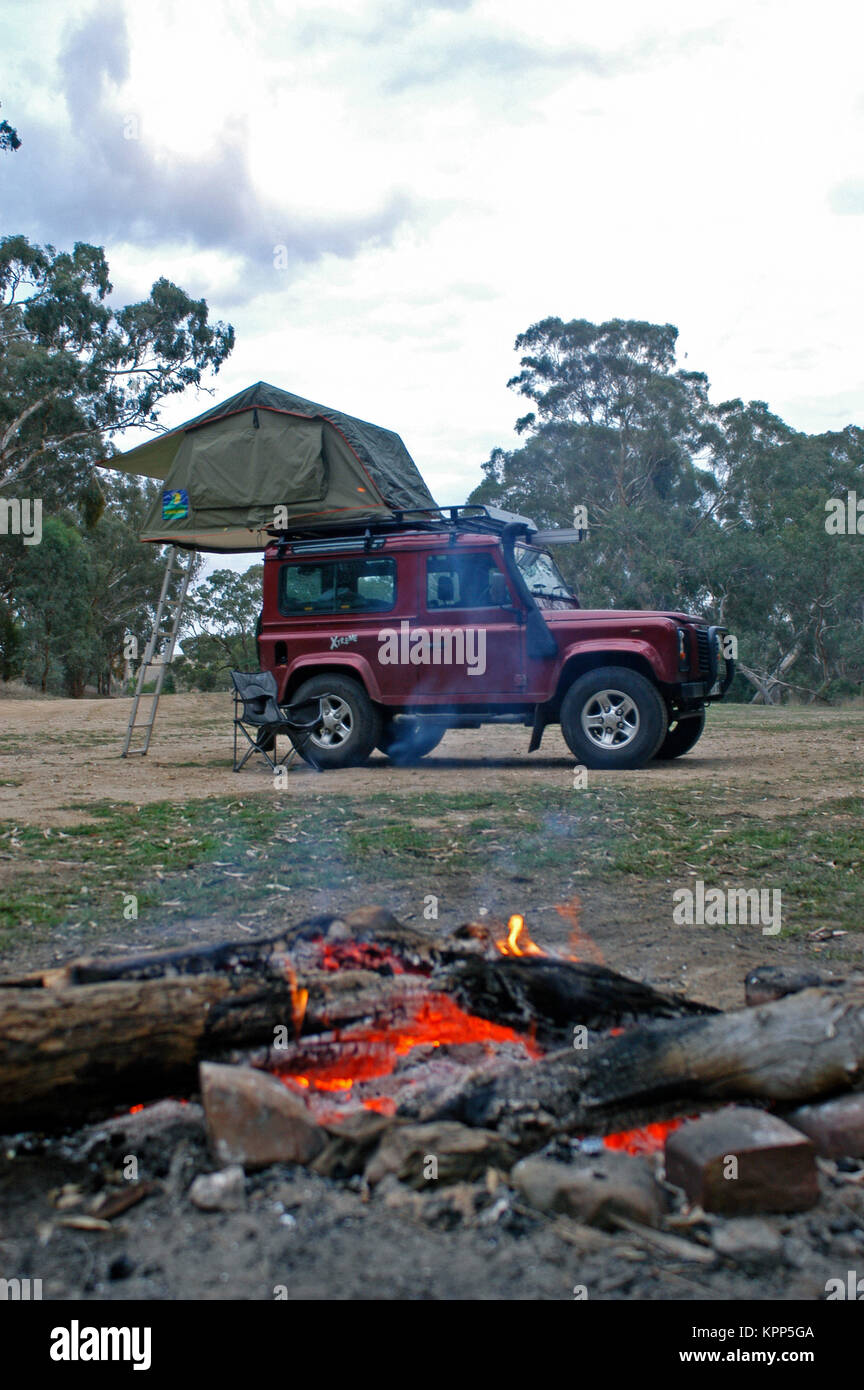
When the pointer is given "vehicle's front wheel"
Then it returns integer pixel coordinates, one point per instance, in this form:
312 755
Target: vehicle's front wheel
350 724
613 717
406 741
681 736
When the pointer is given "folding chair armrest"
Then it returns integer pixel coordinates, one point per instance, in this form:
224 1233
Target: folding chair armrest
293 722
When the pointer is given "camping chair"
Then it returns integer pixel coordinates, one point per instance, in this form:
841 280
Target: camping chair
256 692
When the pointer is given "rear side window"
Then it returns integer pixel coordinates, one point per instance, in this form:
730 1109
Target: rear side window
338 586
470 579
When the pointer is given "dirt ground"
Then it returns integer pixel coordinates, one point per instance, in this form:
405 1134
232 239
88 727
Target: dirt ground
56 756
59 760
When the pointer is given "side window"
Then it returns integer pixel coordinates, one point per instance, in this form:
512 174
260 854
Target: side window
338 586
468 580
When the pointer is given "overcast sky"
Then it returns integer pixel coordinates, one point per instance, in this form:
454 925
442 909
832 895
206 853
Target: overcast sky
442 173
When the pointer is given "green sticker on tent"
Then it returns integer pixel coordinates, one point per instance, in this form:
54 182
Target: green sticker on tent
175 505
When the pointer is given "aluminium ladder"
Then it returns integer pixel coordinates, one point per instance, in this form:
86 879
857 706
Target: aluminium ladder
172 610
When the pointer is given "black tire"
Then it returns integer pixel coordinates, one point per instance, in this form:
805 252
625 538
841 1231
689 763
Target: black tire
613 717
681 737
354 725
406 741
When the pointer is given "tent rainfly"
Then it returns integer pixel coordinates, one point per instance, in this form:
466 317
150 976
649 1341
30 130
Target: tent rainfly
226 472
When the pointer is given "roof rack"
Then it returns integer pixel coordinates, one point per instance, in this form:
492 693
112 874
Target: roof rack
371 535
470 517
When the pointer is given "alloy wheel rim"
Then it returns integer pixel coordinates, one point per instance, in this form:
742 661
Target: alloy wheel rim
610 719
337 723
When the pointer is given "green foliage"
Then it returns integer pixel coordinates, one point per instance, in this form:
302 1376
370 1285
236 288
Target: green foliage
67 604
713 509
9 137
221 625
11 644
54 581
73 369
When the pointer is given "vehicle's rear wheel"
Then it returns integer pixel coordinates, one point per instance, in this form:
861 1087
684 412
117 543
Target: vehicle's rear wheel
613 717
407 740
681 736
350 724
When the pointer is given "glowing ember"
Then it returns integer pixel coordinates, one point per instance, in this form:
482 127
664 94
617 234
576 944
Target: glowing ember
518 941
360 955
366 1052
647 1140
382 1105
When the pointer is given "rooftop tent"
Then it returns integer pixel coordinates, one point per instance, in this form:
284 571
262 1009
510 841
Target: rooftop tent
226 471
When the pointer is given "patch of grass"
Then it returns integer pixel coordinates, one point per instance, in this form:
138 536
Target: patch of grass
222 857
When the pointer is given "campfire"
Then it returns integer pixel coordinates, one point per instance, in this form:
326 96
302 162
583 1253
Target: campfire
358 1045
372 1065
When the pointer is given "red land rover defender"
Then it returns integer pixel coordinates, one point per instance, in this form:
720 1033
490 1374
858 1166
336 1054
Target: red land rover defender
459 617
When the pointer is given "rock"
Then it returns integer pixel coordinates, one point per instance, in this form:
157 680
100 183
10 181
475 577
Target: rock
370 920
742 1160
152 1134
836 1127
338 930
397 1197
443 1152
222 1191
747 1240
350 1144
769 982
592 1193
450 1207
253 1120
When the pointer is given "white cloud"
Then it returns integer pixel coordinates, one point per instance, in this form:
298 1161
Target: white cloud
446 174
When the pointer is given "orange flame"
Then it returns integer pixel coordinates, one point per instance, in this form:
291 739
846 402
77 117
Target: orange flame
299 997
518 942
582 947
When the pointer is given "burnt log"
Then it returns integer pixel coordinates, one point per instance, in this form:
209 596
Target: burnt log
78 1042
72 1052
807 1044
769 982
550 996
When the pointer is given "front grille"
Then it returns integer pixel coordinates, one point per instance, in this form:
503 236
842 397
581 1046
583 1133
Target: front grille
704 650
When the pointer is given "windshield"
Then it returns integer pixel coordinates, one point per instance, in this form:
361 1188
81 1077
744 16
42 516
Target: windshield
543 577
